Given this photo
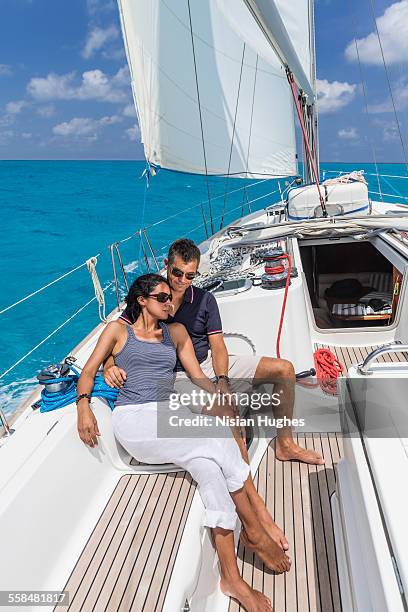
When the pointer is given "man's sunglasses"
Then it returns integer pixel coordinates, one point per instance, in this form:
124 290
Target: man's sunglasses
161 297
179 273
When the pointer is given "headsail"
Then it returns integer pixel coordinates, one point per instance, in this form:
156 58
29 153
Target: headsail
209 99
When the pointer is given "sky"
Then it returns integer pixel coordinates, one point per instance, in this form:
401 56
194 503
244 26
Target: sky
65 88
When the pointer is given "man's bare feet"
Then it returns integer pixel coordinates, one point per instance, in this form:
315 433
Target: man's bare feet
250 600
288 450
270 553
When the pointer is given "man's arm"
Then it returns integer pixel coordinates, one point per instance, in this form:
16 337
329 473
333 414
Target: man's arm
219 354
114 376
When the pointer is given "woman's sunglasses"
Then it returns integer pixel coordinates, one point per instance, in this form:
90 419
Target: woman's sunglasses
179 273
161 297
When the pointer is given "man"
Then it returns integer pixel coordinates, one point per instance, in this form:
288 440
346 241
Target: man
198 311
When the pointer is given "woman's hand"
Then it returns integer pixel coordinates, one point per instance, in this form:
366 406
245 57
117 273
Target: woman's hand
87 426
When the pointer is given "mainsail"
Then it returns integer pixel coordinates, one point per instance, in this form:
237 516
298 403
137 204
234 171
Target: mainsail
210 91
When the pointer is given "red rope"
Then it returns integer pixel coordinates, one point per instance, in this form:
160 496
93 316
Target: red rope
328 369
285 297
293 88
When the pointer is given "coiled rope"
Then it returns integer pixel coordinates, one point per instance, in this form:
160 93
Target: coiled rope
328 370
91 265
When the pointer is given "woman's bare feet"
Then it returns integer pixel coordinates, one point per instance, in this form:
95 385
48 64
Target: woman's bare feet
270 553
288 450
250 600
269 524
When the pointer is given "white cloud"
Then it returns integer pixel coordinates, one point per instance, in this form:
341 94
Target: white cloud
26 135
94 85
52 87
129 111
95 7
6 120
133 133
84 126
333 96
46 111
400 95
349 133
393 29
5 70
389 130
98 38
6 136
14 108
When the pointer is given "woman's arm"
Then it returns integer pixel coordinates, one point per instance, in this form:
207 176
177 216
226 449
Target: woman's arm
87 424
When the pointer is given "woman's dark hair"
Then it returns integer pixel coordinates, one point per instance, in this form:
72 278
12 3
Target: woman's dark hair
141 287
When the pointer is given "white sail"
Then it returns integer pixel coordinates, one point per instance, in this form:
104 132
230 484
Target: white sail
297 16
288 26
213 102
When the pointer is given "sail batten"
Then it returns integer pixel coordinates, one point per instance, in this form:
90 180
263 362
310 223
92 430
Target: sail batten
194 115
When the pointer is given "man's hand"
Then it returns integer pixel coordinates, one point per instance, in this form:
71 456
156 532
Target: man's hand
114 376
88 426
223 388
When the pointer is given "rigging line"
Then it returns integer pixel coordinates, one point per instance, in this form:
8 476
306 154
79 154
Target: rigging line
50 335
389 83
44 287
364 93
232 138
250 130
202 130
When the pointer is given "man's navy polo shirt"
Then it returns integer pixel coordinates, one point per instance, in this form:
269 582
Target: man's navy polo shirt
199 313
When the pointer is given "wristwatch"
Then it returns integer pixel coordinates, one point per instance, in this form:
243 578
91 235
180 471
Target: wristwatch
222 377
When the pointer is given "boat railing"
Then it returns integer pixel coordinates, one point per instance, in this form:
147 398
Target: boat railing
3 421
392 347
384 177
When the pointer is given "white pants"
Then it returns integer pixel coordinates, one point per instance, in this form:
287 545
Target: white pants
214 463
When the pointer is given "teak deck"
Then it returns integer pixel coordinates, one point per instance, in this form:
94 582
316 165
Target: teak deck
128 560
298 496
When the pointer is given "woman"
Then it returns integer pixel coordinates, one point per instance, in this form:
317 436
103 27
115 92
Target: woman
147 350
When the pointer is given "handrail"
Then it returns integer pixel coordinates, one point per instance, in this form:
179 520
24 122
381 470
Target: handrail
392 347
387 195
115 248
7 429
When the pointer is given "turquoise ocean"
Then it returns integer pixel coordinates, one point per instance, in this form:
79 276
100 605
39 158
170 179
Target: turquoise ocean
57 214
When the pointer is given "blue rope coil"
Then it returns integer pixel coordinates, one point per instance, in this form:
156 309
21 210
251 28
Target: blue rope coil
51 401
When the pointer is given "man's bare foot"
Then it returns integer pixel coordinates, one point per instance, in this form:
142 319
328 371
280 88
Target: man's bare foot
270 553
290 451
250 600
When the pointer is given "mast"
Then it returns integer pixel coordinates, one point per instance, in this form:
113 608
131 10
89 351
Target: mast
315 149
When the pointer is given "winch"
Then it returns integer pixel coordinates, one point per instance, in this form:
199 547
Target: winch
56 376
277 269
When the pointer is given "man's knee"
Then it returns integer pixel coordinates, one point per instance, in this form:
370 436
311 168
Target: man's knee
276 370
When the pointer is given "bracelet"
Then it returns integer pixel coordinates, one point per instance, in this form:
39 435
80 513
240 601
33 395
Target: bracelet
222 377
79 397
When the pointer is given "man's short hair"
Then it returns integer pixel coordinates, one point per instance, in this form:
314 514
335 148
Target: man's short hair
184 248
